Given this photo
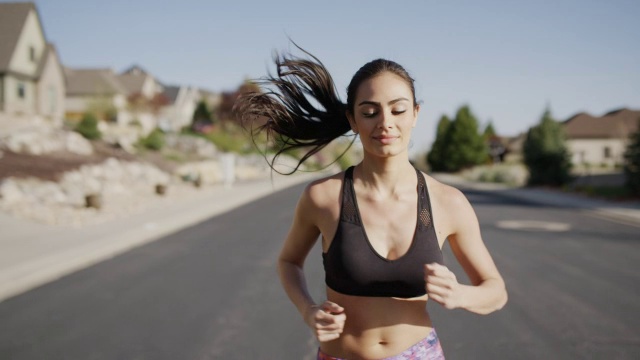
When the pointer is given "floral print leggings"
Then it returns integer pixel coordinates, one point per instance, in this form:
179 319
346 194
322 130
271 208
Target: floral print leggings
428 348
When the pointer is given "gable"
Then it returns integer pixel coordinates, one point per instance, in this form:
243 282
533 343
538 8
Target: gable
50 62
138 81
22 40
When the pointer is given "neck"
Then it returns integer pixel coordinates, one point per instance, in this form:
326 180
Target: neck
386 174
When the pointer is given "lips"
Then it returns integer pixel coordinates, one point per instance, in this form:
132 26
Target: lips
386 139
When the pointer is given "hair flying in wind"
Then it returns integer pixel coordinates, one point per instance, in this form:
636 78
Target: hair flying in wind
298 108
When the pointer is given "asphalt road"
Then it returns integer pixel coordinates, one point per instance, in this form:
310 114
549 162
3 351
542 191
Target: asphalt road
211 292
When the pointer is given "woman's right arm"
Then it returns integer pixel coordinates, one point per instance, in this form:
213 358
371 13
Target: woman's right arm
327 320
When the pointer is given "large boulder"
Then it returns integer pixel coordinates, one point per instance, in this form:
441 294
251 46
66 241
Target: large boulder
39 141
191 145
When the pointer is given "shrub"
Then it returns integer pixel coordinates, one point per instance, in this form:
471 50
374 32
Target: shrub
154 141
88 127
508 174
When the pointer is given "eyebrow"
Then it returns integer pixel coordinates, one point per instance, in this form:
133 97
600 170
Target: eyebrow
378 104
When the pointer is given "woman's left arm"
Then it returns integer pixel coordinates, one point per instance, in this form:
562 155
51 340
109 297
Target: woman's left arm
487 292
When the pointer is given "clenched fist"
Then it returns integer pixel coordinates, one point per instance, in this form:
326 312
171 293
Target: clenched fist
442 286
326 320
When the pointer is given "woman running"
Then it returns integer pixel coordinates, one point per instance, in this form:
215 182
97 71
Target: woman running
382 223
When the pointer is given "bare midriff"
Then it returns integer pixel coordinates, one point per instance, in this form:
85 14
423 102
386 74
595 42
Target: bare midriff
378 327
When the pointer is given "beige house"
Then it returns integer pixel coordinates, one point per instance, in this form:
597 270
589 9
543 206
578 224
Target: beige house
32 85
138 81
182 102
145 96
600 141
98 91
213 99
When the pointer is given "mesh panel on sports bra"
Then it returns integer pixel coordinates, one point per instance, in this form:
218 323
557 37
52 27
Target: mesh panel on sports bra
425 218
424 214
349 211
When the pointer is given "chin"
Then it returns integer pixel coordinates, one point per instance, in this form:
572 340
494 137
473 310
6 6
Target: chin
387 153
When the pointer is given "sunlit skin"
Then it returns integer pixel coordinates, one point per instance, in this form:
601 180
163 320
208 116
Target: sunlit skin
385 183
384 116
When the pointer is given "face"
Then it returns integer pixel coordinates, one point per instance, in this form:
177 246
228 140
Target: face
384 115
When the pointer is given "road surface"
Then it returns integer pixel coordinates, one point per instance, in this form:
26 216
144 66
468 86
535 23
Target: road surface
211 292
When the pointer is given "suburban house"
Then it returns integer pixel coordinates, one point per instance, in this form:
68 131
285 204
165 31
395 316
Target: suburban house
32 84
212 99
600 141
182 102
145 96
98 91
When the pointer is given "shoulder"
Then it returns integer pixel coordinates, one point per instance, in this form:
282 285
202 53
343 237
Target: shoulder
447 199
441 191
324 192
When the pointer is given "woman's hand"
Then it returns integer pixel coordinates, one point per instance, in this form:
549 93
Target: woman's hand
326 320
442 286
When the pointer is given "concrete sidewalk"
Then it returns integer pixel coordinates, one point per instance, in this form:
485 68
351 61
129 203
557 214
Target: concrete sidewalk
625 212
32 254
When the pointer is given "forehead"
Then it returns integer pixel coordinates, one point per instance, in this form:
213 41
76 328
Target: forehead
383 87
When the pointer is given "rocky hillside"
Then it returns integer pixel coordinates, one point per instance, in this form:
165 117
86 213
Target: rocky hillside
57 177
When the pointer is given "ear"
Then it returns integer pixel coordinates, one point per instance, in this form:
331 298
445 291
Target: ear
352 122
416 110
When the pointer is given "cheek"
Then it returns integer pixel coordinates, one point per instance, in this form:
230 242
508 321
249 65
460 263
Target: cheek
363 124
409 123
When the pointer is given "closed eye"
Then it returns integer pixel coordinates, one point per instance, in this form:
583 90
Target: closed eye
398 112
369 115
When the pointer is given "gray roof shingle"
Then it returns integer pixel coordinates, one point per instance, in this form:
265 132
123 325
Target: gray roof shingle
91 82
132 82
617 124
12 20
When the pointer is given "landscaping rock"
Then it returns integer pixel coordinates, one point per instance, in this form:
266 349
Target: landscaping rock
45 141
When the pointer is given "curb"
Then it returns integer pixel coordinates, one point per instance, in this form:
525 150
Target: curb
629 214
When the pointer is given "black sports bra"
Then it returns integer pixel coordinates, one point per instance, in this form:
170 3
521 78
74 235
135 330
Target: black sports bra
353 267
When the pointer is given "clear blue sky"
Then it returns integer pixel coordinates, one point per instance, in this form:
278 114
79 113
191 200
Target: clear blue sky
506 59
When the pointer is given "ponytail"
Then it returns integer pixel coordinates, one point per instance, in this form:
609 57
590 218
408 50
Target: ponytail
285 113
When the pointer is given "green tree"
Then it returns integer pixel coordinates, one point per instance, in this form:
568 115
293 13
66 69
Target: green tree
464 146
489 131
436 158
545 153
201 115
632 162
88 127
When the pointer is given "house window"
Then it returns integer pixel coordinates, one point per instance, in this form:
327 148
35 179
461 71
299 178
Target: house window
21 91
32 54
607 152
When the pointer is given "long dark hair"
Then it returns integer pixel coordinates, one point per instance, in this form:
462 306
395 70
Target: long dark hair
284 112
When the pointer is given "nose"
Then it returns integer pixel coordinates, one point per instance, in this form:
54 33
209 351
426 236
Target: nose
386 119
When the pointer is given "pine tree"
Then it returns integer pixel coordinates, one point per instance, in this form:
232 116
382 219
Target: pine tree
464 146
494 144
488 131
632 162
545 153
201 115
435 158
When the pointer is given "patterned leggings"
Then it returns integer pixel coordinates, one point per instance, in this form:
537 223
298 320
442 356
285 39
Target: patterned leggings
428 348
